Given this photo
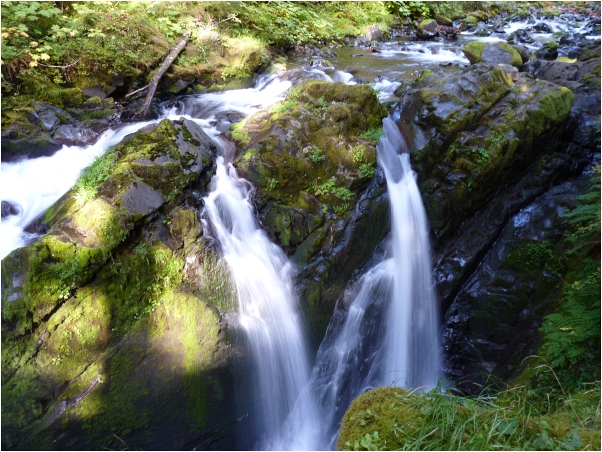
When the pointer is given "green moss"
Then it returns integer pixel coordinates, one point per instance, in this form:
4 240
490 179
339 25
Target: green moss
473 51
395 419
517 60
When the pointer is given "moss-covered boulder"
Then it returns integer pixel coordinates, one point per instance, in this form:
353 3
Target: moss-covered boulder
104 341
427 29
493 53
312 157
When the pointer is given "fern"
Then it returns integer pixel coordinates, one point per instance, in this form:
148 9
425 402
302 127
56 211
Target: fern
571 335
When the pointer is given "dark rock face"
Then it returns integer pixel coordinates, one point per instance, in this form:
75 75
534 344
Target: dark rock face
74 136
9 209
482 124
47 128
492 324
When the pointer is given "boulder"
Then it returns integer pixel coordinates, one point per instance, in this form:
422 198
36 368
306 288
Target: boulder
520 36
9 209
427 29
493 53
549 51
74 136
373 33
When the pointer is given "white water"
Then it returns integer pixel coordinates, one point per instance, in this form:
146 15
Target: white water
412 355
268 310
34 185
395 296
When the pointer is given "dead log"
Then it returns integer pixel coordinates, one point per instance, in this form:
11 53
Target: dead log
152 87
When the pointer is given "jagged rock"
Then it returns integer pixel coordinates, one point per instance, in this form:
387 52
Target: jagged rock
21 141
493 53
520 36
549 51
74 136
503 126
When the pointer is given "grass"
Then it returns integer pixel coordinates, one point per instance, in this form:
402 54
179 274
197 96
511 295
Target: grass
395 419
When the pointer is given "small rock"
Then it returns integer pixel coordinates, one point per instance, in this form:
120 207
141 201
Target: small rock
9 209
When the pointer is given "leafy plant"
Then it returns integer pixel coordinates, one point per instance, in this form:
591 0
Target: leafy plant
372 134
367 169
316 155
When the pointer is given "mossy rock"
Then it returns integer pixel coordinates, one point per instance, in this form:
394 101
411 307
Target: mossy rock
396 419
493 53
87 224
303 142
474 129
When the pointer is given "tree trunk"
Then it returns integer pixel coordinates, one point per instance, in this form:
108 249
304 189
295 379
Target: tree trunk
152 87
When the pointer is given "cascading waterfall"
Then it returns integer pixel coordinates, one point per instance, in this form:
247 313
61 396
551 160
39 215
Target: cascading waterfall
267 302
412 355
396 296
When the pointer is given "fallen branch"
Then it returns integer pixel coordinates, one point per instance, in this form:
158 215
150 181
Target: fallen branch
157 77
137 91
58 67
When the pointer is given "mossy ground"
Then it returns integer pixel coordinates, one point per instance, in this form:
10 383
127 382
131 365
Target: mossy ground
395 419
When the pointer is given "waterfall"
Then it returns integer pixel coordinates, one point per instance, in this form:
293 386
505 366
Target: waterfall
411 357
268 310
385 331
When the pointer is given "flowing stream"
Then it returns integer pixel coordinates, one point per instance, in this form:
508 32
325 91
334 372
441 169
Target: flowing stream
395 296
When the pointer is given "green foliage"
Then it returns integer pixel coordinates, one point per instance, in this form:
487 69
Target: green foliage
271 184
413 10
571 334
326 188
372 134
300 22
367 169
94 175
395 419
316 155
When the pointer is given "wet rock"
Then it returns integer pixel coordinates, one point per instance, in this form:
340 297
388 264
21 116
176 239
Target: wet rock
427 29
520 36
74 136
494 53
549 51
21 141
493 322
374 33
482 31
542 27
474 127
321 64
9 209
